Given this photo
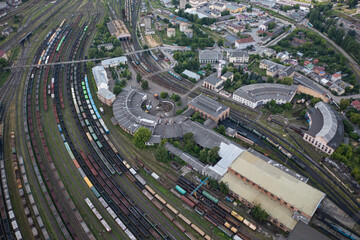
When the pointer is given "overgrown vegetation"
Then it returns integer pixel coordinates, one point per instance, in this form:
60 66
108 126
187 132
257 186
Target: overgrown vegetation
103 36
259 213
351 157
321 16
141 136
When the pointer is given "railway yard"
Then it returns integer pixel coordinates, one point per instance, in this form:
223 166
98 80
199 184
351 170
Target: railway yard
68 171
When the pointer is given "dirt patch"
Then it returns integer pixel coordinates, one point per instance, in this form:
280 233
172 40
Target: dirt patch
151 41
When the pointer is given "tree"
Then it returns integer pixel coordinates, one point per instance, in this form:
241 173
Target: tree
164 95
213 155
315 101
146 46
287 81
161 154
141 136
220 42
203 155
221 129
344 104
138 78
145 85
188 137
224 187
259 213
187 6
117 89
271 25
224 13
90 65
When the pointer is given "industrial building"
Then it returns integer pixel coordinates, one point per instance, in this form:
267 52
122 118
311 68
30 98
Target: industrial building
191 74
106 97
303 231
282 194
118 29
326 129
209 56
100 76
113 62
258 94
213 83
209 108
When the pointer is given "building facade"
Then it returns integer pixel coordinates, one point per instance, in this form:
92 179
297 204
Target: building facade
326 129
209 56
209 108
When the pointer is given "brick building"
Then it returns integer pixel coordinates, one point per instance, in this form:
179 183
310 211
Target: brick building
209 108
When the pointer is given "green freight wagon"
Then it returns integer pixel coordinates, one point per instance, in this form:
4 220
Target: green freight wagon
180 190
210 197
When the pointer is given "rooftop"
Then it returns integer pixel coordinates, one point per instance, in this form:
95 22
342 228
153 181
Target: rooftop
113 61
245 40
303 231
191 74
117 28
275 181
209 54
213 79
106 94
326 123
263 91
208 105
129 114
238 54
100 77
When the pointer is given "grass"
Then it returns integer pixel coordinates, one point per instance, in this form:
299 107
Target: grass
3 77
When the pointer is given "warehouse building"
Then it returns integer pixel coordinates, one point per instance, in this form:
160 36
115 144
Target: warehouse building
258 94
303 231
118 29
284 196
213 82
101 78
209 108
113 62
326 129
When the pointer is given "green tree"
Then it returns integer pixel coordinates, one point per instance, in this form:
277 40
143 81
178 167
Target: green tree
138 78
221 129
117 89
213 155
164 95
188 137
348 127
224 187
141 136
271 25
315 101
203 155
90 65
145 85
220 42
161 154
259 213
224 13
344 104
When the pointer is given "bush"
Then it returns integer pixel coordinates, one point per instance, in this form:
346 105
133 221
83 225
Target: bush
164 95
178 104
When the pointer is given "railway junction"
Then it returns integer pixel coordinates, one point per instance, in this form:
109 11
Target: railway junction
70 169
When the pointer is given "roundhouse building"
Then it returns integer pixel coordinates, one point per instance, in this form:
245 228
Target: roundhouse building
326 129
258 94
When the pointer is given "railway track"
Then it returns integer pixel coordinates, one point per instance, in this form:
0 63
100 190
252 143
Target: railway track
314 176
